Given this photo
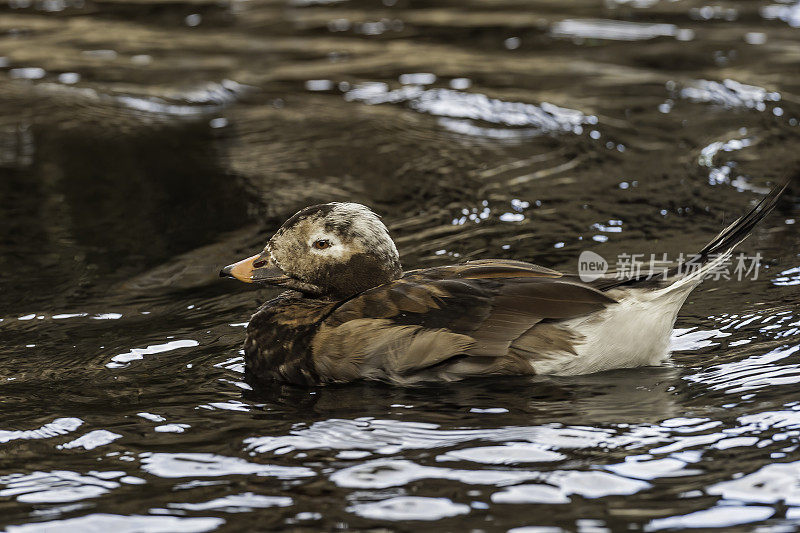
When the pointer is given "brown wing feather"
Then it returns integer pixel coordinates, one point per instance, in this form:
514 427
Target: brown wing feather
503 268
488 268
523 302
476 309
377 348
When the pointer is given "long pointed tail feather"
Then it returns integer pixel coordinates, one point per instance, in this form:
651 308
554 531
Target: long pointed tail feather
741 228
721 247
714 253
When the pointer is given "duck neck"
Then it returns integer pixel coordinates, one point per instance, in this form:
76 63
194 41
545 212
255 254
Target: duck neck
360 273
277 346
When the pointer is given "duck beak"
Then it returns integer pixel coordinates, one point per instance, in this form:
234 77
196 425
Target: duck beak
258 268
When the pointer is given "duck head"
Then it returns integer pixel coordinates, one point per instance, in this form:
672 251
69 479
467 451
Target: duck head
330 250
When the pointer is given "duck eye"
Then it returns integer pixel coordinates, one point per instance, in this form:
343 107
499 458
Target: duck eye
322 244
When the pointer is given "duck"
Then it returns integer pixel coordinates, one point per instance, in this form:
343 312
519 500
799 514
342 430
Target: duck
349 312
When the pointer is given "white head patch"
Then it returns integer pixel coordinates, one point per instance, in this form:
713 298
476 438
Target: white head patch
365 226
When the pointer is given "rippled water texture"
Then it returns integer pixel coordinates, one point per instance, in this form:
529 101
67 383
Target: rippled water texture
144 144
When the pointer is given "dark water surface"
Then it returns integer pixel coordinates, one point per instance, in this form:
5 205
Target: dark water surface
145 143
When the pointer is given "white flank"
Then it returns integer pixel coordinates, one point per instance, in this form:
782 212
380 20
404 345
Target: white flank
634 332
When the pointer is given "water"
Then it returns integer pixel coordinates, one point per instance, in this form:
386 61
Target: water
144 145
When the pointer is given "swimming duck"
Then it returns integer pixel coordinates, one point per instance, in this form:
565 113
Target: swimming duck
349 311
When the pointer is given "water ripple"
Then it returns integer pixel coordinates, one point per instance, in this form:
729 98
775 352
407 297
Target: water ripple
543 118
58 486
729 94
752 373
652 468
723 516
200 100
384 473
236 503
122 360
92 440
770 484
790 14
561 484
122 524
510 453
617 30
173 465
393 436
409 508
59 426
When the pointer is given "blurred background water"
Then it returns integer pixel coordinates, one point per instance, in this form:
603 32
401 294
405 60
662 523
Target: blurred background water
146 143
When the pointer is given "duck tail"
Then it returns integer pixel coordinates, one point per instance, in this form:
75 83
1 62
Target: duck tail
741 228
721 247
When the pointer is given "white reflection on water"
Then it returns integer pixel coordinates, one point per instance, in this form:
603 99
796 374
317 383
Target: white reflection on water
640 4
687 339
777 325
63 316
59 426
594 484
306 3
236 503
752 373
319 85
107 316
230 405
713 12
652 469
466 127
68 315
788 277
384 473
531 494
152 417
417 78
171 428
410 508
770 484
206 98
393 436
723 516
29 73
212 93
543 118
122 360
724 173
785 419
92 440
511 453
544 529
235 364
790 14
708 153
561 484
173 465
159 106
729 94
617 30
60 486
122 524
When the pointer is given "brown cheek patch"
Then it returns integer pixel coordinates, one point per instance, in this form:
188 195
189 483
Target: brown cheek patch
289 249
